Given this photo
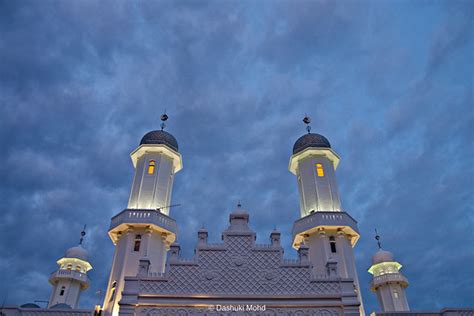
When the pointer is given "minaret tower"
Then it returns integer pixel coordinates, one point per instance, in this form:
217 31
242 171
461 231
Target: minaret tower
388 283
329 232
71 278
144 229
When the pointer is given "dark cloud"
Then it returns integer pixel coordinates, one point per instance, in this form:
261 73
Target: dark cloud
390 84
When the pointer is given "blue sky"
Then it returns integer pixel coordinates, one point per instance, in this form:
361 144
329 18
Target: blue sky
389 83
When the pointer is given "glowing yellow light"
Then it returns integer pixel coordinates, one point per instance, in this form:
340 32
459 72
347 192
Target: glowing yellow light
385 268
320 170
151 167
97 310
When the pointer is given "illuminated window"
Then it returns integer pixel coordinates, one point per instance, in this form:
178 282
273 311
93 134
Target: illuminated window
319 170
69 266
332 243
62 291
78 268
138 240
112 291
151 167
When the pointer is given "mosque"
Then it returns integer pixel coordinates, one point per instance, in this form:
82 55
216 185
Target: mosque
236 276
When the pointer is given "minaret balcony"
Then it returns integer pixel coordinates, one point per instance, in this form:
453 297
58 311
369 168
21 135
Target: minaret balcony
70 275
149 218
318 221
388 278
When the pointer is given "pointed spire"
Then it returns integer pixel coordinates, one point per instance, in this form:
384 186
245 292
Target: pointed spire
163 118
307 121
83 233
377 237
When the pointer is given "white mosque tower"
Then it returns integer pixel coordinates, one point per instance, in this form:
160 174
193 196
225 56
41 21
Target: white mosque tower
144 229
71 278
328 231
388 283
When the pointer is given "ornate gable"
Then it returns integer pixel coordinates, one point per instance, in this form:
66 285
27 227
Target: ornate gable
237 271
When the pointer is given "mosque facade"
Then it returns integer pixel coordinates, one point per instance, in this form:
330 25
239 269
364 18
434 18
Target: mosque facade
237 276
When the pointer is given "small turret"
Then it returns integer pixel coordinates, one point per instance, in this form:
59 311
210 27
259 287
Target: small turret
71 277
388 283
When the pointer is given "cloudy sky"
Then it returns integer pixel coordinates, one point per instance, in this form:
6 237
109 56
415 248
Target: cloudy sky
389 83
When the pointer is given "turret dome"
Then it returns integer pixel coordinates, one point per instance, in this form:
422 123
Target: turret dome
382 256
239 210
77 252
310 140
160 137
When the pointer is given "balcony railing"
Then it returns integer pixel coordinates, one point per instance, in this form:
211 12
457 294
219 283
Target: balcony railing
388 277
140 216
72 274
324 219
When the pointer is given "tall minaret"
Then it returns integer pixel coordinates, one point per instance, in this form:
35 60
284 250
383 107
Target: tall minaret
388 282
144 229
329 232
71 278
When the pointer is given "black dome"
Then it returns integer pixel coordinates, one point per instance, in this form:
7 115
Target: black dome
310 140
160 137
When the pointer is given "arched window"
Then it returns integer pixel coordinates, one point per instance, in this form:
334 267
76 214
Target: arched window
69 266
78 268
112 291
319 170
332 243
62 291
138 240
151 167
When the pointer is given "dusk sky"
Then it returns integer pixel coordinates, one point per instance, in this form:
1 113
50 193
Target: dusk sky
389 83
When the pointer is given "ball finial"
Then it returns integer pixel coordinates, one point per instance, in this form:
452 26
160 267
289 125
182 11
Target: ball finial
83 233
377 237
163 118
307 121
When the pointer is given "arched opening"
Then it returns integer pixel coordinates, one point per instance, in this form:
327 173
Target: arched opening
63 288
151 167
138 240
319 170
112 291
332 244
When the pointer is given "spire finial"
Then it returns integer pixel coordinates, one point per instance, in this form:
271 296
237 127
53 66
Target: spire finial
307 121
163 118
377 237
83 233
239 205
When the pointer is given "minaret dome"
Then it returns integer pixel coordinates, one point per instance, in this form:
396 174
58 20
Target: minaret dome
160 137
310 140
